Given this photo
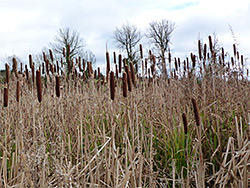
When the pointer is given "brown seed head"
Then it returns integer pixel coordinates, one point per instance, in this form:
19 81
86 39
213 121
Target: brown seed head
57 86
7 72
39 86
185 123
141 52
17 90
5 97
51 55
125 84
112 85
196 112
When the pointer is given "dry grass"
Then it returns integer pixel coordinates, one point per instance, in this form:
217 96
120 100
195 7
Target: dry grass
145 137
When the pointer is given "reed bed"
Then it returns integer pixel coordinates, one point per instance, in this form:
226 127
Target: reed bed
190 129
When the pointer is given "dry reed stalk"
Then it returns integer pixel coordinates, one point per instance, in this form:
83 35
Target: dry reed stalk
18 90
124 84
5 97
51 55
112 85
108 62
199 49
141 51
196 112
39 86
57 86
7 73
120 63
185 123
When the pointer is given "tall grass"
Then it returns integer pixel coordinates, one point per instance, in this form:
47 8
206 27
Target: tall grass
188 130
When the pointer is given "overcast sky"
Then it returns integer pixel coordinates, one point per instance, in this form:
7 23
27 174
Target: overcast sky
29 25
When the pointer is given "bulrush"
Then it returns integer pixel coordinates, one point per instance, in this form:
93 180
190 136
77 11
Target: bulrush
128 78
120 63
132 73
108 62
39 86
210 44
99 72
114 57
205 52
7 72
17 91
42 68
116 71
51 55
185 123
5 97
141 52
196 112
234 48
14 61
199 49
33 72
112 85
27 72
124 84
30 59
57 86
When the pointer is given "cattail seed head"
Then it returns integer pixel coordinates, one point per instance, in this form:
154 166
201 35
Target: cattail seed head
205 52
120 63
17 91
39 86
5 97
132 73
30 59
234 48
141 52
51 55
7 72
63 52
57 86
210 44
196 112
114 57
14 61
112 85
108 62
199 49
125 84
33 72
222 55
185 123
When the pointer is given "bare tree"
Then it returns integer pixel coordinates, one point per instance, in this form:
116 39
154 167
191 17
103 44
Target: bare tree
127 38
68 43
159 33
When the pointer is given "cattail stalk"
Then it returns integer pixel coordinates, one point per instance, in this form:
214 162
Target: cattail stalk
112 85
39 86
5 97
57 86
